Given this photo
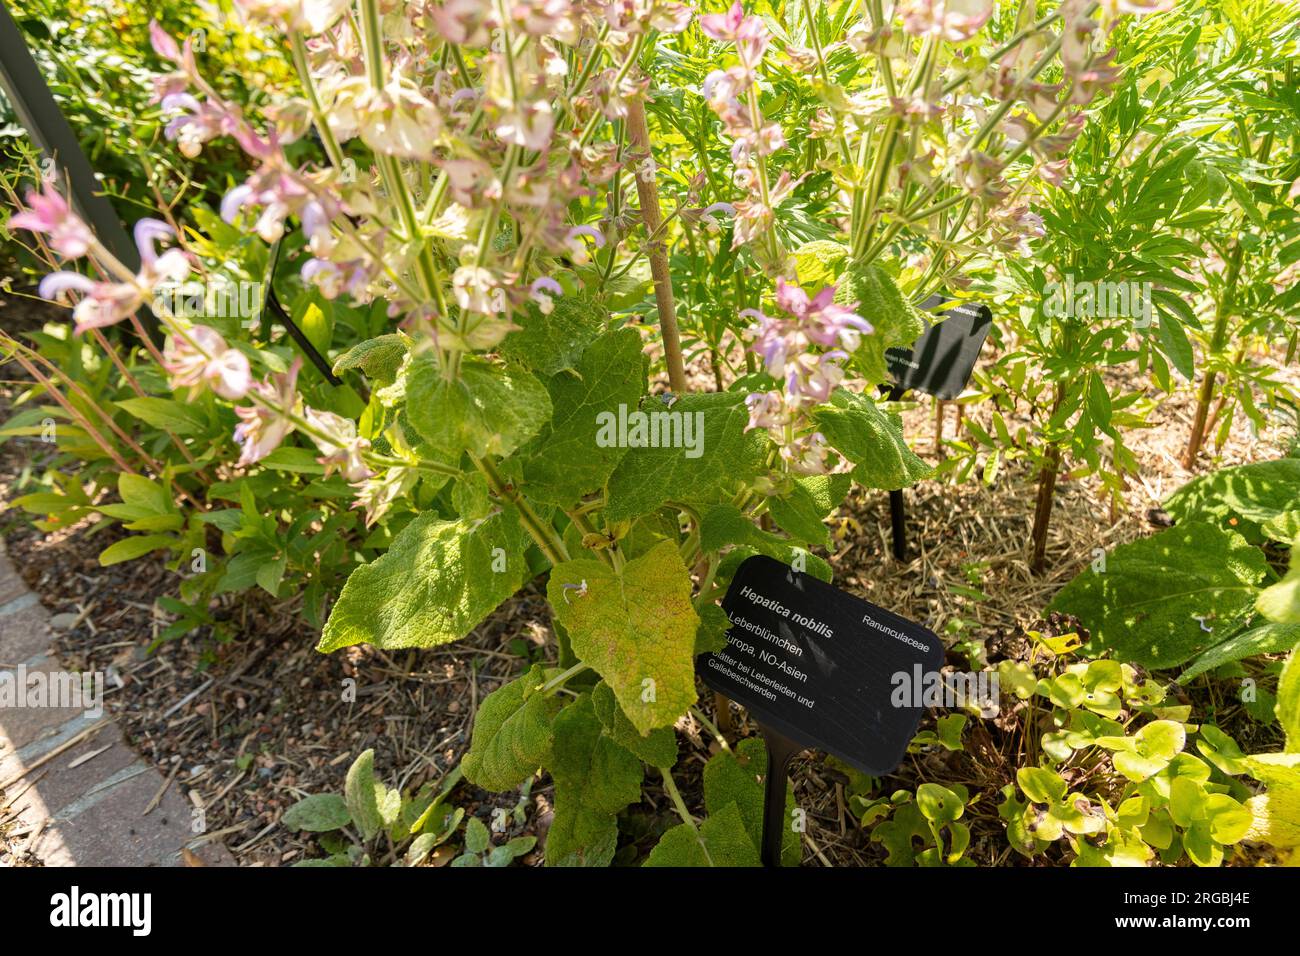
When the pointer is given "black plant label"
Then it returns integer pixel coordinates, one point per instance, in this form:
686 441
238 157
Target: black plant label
940 362
825 668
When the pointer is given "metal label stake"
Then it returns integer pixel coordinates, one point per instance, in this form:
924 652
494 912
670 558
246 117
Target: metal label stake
780 751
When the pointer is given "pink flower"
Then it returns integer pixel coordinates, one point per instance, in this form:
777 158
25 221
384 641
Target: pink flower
463 22
204 359
173 265
309 16
542 290
748 33
107 303
337 438
265 424
530 125
48 213
101 304
952 20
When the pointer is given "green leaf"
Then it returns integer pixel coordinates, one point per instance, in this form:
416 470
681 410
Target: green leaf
318 813
799 514
826 490
712 635
1265 639
488 409
379 358
1258 493
1288 700
648 477
144 494
594 778
477 836
271 573
939 804
565 461
166 414
1284 527
721 840
658 748
547 344
433 585
731 778
1175 344
896 322
1041 785
362 797
860 431
1165 599
317 326
1281 601
512 733
128 549
819 262
636 628
291 458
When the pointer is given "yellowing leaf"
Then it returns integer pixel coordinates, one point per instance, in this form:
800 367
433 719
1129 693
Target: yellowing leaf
636 627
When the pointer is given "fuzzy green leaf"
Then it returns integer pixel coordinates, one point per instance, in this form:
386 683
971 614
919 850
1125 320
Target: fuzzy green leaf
548 344
721 840
1288 700
489 409
594 778
379 358
798 514
733 778
636 628
512 733
1165 599
896 322
873 440
361 794
819 262
1258 493
1280 602
1265 639
318 813
648 477
565 462
433 585
658 748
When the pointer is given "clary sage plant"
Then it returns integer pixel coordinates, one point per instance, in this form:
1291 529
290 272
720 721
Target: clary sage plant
484 174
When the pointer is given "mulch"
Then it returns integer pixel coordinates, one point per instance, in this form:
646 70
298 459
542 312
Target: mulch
250 726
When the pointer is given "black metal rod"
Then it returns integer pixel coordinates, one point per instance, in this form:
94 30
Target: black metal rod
300 337
780 751
898 519
897 507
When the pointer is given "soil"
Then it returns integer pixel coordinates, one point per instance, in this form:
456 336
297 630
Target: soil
257 723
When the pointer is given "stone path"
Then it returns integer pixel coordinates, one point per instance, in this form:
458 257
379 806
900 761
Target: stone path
72 792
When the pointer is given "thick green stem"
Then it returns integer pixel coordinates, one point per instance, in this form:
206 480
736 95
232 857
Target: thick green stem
1219 338
552 544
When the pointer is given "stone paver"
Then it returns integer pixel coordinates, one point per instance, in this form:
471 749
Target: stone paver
83 805
22 630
